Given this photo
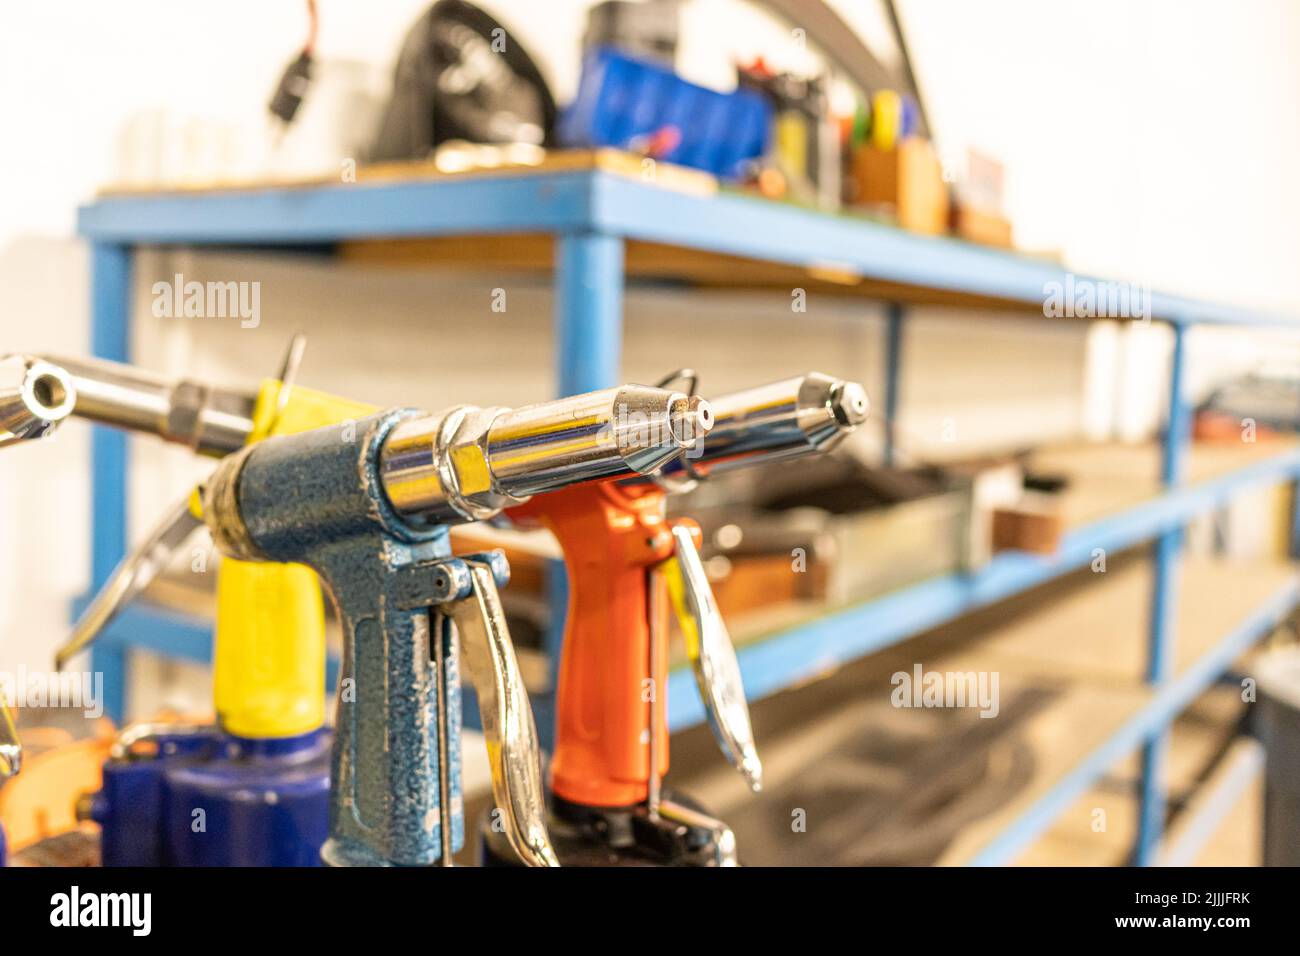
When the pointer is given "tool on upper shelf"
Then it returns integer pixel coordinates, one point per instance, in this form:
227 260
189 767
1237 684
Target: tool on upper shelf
627 563
462 77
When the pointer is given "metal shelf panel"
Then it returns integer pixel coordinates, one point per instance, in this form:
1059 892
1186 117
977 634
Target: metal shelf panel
557 202
601 202
756 228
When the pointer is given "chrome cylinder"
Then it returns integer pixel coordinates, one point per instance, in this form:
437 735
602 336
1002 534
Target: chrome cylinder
796 416
35 396
211 421
469 463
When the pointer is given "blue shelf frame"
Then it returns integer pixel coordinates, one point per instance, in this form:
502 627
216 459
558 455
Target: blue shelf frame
592 214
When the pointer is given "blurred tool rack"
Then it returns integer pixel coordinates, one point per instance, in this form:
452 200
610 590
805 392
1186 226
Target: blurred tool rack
608 215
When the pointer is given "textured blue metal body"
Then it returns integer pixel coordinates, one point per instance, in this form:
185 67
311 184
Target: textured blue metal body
209 799
316 498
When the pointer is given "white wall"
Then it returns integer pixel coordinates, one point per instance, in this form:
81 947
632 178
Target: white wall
1101 112
1155 141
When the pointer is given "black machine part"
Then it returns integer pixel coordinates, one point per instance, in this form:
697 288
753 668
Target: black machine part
614 836
296 78
462 76
291 89
1278 723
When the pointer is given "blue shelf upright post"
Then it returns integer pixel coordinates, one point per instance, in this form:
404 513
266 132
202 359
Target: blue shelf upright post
588 356
1164 598
110 304
588 311
1294 549
893 373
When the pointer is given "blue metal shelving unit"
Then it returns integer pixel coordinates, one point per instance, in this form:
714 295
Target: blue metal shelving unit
592 214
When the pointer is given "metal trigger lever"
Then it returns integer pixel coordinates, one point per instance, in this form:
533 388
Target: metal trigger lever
139 568
130 577
507 718
712 656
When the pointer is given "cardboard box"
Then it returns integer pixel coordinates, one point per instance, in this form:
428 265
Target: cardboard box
1035 525
909 179
978 225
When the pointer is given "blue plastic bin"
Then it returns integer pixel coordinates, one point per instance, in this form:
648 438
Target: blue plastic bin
622 99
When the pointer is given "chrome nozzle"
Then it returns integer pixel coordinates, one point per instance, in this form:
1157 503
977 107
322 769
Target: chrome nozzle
35 396
850 405
796 416
690 418
469 463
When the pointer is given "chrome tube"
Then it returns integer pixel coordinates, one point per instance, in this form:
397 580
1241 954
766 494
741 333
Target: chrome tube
469 463
796 416
211 421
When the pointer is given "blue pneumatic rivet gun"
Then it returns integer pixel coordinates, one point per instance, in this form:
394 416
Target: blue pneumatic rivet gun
367 505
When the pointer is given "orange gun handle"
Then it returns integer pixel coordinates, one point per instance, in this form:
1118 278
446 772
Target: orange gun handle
611 536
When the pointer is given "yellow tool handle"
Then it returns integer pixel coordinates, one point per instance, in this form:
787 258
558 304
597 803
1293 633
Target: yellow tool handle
269 646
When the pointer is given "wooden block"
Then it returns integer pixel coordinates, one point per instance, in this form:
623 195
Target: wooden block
908 178
754 583
1029 526
977 225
